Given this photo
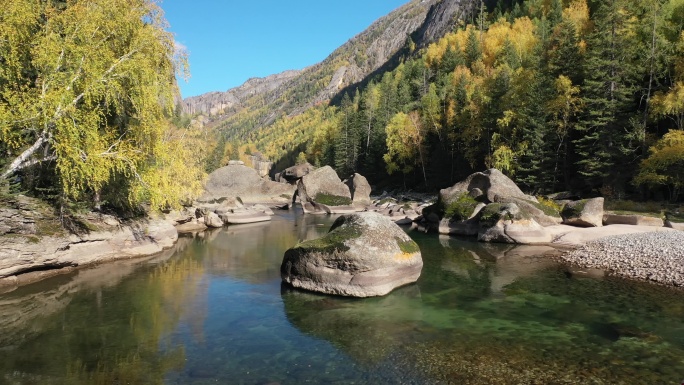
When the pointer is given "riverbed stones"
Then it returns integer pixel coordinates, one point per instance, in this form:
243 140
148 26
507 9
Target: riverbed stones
363 255
653 256
583 213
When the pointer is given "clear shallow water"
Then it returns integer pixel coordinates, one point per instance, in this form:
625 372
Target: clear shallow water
213 310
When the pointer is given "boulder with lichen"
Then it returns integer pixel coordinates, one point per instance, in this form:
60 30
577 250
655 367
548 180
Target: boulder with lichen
363 255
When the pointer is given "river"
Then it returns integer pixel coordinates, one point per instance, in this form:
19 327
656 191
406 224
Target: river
213 310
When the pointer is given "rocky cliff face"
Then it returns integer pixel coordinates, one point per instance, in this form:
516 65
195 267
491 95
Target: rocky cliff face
246 113
291 92
223 103
441 18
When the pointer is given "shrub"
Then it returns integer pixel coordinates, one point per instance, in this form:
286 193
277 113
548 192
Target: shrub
461 208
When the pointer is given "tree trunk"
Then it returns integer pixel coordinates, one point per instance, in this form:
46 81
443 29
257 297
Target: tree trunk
21 161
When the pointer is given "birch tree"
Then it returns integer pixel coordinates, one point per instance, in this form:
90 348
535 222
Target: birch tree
86 86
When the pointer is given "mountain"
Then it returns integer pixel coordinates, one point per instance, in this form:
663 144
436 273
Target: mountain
260 101
221 103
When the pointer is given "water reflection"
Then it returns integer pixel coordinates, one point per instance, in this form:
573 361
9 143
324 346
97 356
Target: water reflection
214 311
100 325
253 252
368 330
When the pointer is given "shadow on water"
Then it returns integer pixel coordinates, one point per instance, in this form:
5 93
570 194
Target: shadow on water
214 310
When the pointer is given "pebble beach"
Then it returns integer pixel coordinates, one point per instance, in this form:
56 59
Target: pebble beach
655 256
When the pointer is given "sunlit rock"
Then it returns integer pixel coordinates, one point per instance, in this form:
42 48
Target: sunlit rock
363 255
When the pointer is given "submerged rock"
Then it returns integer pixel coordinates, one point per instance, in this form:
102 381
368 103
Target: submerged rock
363 255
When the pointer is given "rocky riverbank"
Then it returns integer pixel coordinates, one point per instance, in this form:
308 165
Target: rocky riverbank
653 256
34 244
26 259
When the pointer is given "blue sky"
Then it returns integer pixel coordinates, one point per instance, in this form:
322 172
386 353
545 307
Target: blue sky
231 41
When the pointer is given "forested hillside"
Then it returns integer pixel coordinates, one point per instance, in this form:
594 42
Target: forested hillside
563 95
87 92
247 113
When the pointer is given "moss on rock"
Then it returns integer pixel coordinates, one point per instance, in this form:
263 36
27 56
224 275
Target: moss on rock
333 240
491 214
408 246
332 200
574 209
494 212
548 207
461 208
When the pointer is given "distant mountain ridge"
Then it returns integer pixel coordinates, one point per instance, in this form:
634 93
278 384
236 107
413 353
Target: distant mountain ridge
216 103
259 101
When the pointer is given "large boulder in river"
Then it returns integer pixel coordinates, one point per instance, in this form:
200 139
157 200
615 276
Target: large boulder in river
295 173
360 189
487 186
244 182
584 213
211 219
325 187
464 223
507 223
492 186
542 214
363 255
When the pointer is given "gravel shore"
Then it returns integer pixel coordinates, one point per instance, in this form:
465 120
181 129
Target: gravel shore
656 257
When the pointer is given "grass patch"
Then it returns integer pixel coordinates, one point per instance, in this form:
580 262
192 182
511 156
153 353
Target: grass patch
461 208
49 227
633 206
332 200
548 206
665 210
491 214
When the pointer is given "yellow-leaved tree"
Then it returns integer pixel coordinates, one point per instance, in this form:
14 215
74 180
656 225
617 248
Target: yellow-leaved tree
665 164
405 143
86 91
